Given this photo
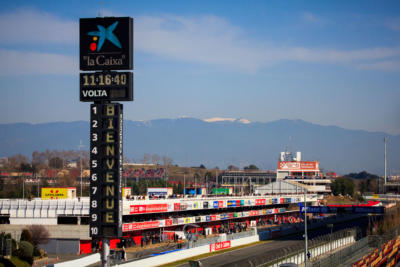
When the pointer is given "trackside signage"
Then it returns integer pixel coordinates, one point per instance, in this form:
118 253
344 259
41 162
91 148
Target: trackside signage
220 245
106 43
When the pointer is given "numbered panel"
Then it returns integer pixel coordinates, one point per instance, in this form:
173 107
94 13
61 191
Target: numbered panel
106 170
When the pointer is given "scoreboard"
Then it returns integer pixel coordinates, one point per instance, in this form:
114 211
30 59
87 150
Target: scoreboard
106 48
106 170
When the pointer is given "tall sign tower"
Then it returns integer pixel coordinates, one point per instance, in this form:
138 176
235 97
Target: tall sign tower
106 48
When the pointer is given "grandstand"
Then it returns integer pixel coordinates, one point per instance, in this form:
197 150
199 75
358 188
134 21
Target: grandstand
160 219
245 181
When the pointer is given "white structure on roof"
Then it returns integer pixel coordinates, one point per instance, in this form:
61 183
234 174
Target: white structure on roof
298 172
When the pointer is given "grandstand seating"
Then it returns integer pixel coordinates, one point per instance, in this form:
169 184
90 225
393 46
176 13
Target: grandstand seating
387 255
144 173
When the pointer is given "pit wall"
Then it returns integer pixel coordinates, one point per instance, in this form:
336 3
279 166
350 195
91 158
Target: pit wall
185 253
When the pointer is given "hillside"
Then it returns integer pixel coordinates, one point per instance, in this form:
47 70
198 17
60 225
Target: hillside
191 142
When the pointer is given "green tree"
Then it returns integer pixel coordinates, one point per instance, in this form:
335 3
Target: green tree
251 167
180 188
26 236
343 186
25 251
56 163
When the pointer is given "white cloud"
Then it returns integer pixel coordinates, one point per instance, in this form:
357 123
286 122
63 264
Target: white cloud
26 26
22 63
212 40
203 39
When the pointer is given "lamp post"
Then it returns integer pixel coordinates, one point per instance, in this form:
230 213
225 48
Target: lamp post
80 157
330 238
305 228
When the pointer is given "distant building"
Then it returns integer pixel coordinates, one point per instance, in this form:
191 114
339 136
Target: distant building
245 181
297 172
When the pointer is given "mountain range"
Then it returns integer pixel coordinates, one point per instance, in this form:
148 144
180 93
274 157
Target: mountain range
219 142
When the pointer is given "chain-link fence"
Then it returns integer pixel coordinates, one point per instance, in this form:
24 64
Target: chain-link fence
5 247
295 253
341 256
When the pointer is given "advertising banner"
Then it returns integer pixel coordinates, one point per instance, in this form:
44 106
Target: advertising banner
177 206
149 208
254 213
260 201
301 165
215 204
54 193
140 225
220 245
231 203
106 43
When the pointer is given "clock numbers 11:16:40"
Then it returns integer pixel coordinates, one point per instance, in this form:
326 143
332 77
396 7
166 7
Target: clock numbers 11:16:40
104 79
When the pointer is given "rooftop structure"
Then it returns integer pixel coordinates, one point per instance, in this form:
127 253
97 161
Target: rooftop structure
298 172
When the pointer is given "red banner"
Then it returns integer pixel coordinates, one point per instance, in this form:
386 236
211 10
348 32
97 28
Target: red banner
298 165
220 204
177 206
140 225
168 222
220 245
150 208
254 213
213 217
260 201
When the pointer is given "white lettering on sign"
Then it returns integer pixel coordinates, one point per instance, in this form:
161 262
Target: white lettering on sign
101 60
94 93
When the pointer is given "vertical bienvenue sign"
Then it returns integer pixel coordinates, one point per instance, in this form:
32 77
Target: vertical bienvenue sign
106 45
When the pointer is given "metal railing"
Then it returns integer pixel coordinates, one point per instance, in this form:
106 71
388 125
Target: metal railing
295 253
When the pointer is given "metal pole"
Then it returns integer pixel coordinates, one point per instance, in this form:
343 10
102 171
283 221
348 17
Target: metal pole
105 253
305 228
23 188
384 190
80 157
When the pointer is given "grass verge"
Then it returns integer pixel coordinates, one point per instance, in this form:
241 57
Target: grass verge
205 255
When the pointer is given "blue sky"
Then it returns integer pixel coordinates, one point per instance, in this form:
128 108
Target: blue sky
326 62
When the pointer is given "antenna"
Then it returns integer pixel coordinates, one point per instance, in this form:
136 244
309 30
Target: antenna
80 157
100 8
384 140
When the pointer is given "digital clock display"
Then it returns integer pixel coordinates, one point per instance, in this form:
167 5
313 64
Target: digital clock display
110 86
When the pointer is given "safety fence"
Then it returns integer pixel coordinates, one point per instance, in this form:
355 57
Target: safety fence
295 254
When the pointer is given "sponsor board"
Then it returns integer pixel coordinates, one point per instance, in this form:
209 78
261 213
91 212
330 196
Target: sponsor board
54 193
298 165
220 245
140 225
149 208
260 201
